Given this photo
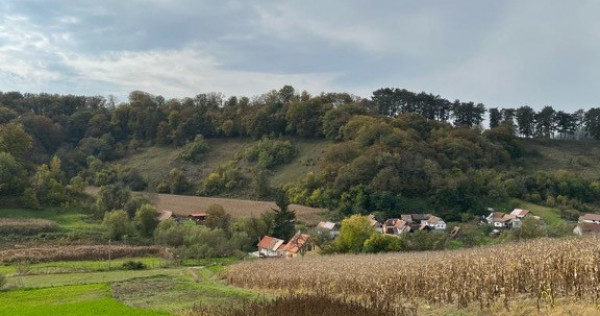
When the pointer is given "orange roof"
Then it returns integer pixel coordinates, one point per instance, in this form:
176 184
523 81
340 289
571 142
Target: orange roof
197 215
296 242
271 243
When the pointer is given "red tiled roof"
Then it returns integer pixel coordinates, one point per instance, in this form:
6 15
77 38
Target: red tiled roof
519 212
296 242
270 243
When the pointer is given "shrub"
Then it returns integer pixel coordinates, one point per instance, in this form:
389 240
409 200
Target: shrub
134 265
195 150
116 224
270 153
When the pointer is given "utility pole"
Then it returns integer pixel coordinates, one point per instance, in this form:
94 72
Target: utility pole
109 250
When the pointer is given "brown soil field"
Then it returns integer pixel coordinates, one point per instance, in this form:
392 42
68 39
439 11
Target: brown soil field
185 205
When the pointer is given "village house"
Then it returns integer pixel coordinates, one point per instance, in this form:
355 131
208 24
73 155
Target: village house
588 224
434 223
395 226
198 218
274 247
375 224
501 220
520 213
297 245
328 228
270 247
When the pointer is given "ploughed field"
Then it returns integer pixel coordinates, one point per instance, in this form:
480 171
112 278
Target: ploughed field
541 271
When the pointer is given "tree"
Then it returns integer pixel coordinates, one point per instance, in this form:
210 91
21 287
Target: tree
11 175
146 219
284 219
495 117
113 197
467 114
526 120
216 217
260 182
566 123
592 122
354 231
116 224
15 141
545 122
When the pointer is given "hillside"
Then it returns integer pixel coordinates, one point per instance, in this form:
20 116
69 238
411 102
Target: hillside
154 163
582 157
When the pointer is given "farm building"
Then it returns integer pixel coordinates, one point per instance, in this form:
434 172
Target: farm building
199 218
270 247
297 245
329 228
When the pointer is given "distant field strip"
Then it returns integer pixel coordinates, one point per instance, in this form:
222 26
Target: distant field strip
185 205
542 270
66 253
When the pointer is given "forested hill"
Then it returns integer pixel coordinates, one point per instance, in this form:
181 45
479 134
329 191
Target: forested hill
396 151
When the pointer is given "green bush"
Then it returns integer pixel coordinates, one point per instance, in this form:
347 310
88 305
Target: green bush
195 150
270 153
134 265
2 280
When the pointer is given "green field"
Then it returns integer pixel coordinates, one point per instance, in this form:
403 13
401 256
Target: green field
70 220
153 291
67 301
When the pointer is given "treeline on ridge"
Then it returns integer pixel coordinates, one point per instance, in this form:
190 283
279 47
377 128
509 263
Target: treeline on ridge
397 150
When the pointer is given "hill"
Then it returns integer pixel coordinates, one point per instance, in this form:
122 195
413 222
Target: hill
154 163
581 157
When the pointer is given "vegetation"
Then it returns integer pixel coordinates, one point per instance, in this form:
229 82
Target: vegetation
75 253
543 270
25 226
300 305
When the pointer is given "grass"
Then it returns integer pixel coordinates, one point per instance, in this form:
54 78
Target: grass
69 220
80 266
582 157
550 215
176 293
51 280
67 301
309 151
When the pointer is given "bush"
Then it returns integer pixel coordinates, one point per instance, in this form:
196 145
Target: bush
2 280
116 224
146 219
270 153
134 265
195 150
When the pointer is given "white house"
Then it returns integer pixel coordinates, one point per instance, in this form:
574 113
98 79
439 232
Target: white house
328 228
271 247
435 223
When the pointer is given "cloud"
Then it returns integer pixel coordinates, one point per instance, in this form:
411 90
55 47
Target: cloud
501 53
180 73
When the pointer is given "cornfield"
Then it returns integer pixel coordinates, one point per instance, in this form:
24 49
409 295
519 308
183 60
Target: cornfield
543 270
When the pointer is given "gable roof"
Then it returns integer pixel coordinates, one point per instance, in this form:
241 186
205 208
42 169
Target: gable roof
296 242
590 217
519 212
433 220
270 243
420 217
326 225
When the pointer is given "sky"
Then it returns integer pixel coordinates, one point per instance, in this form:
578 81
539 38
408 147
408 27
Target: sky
505 53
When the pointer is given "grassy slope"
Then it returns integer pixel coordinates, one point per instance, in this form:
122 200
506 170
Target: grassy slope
155 163
582 157
68 219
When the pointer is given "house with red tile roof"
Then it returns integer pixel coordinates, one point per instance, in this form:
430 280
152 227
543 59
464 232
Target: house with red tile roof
297 245
270 247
